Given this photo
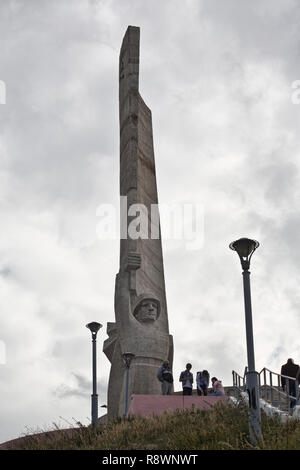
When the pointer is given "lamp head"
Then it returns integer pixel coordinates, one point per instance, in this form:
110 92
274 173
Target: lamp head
128 356
245 248
94 327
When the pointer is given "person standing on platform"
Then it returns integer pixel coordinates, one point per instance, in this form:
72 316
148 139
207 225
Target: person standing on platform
164 375
202 380
187 379
290 369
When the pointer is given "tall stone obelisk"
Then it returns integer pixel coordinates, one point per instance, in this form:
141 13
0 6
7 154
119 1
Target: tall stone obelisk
141 325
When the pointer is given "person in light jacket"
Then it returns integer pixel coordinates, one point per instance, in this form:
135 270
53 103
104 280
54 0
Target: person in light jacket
218 390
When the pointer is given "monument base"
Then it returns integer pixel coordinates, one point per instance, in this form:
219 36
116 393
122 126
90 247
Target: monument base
149 405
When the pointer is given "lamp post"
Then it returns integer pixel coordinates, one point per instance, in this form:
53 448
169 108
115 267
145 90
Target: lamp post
128 356
94 327
245 248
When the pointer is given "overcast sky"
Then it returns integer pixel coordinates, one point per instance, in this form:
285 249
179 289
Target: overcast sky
218 78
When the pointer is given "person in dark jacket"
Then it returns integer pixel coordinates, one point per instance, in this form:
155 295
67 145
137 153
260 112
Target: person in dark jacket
187 379
290 369
165 376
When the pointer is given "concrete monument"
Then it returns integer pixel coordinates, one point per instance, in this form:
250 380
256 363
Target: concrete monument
141 318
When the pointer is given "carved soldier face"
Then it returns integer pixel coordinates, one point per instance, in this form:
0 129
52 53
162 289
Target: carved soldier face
146 312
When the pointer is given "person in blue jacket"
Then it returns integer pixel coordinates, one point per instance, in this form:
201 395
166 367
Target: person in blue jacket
202 380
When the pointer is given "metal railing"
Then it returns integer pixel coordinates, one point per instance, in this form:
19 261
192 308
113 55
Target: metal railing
239 383
270 388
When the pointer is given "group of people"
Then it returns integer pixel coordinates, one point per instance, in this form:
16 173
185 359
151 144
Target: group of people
165 376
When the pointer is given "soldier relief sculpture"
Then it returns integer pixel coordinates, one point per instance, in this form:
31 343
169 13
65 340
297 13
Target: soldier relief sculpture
141 318
147 309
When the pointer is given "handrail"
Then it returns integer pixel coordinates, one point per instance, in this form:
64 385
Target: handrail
237 379
239 385
276 373
292 398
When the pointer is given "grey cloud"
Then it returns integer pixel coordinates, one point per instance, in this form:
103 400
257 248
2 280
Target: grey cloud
5 272
277 354
82 388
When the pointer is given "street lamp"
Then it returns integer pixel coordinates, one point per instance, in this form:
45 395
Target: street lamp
94 327
245 248
128 356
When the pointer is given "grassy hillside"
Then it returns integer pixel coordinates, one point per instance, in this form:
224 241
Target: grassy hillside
223 427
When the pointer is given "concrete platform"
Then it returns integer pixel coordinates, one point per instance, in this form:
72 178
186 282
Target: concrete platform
148 405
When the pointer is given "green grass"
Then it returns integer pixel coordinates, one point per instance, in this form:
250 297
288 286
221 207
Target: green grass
222 428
